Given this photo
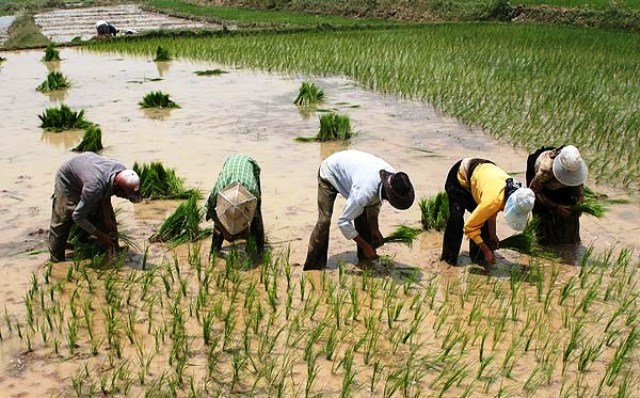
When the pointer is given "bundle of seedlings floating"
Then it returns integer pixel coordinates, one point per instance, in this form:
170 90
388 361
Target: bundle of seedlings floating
158 182
162 55
434 211
333 127
309 94
91 141
157 99
55 81
210 72
403 234
51 54
183 225
63 118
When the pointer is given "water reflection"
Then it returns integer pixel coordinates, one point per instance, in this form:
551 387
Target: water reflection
157 114
163 67
328 148
53 66
66 139
56 96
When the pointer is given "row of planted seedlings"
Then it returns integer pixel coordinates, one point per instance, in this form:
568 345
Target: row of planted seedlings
201 326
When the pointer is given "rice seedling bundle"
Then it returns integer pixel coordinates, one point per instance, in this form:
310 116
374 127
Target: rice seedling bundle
525 242
55 81
592 207
162 55
2 59
157 99
51 54
183 225
63 118
158 182
309 94
403 234
333 127
91 141
434 211
210 72
85 246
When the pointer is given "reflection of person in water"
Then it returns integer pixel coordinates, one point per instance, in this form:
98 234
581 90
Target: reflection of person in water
105 28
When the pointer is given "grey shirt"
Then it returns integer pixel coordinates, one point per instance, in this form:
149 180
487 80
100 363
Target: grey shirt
87 179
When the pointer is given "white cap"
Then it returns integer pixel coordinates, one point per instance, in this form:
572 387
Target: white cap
569 168
517 208
129 181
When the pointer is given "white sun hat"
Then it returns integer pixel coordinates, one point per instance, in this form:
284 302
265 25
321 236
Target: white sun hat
569 168
517 208
235 208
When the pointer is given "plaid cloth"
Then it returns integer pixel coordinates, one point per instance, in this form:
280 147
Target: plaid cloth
237 168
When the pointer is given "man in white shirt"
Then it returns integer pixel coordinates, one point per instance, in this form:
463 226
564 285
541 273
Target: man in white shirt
365 181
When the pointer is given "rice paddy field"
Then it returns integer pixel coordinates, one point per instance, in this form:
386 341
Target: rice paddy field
163 320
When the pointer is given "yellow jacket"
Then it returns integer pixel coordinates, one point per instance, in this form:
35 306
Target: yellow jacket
487 188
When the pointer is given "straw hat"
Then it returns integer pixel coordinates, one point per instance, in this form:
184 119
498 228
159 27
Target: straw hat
517 208
398 189
235 208
569 168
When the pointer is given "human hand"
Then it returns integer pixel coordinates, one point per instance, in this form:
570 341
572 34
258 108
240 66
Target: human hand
494 242
489 257
563 211
369 252
378 239
104 239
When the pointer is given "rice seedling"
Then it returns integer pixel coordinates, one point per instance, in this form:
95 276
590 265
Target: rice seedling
210 72
183 225
91 140
54 81
157 100
160 182
51 53
63 118
309 94
591 207
333 127
434 211
403 234
162 55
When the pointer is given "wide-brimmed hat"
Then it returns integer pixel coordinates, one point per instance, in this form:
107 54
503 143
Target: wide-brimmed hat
517 208
569 168
235 208
398 189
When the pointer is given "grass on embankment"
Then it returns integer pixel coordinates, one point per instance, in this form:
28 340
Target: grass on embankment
527 84
23 33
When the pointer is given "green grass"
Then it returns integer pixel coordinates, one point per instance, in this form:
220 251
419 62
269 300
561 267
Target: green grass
309 94
157 99
55 81
51 54
526 84
434 211
591 207
91 141
210 72
159 182
589 4
62 118
403 234
183 225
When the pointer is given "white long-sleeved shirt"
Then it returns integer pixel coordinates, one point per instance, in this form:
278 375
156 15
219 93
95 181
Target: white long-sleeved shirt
356 176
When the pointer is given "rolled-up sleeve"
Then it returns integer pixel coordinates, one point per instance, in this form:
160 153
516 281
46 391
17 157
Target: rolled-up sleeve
89 200
482 213
356 203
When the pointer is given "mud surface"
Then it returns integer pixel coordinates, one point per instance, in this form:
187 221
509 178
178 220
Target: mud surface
242 112
64 25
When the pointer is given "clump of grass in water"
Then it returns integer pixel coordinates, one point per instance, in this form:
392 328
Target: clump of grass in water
157 99
91 141
55 81
51 54
162 55
63 118
333 127
435 211
309 94
183 225
158 182
403 234
210 72
2 59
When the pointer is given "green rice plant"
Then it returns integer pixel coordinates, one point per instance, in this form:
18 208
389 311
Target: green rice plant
333 127
309 94
160 182
157 100
434 211
162 55
51 53
210 72
2 59
91 140
63 118
183 225
403 234
54 81
591 207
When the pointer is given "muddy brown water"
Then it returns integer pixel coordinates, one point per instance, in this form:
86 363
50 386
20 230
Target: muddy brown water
242 112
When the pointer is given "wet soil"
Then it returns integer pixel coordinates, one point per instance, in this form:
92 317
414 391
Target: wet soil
242 112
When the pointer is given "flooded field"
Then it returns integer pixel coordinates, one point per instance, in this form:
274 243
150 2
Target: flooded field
242 112
64 25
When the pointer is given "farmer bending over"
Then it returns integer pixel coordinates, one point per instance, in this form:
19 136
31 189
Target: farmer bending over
106 28
557 175
82 194
234 204
365 181
482 188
